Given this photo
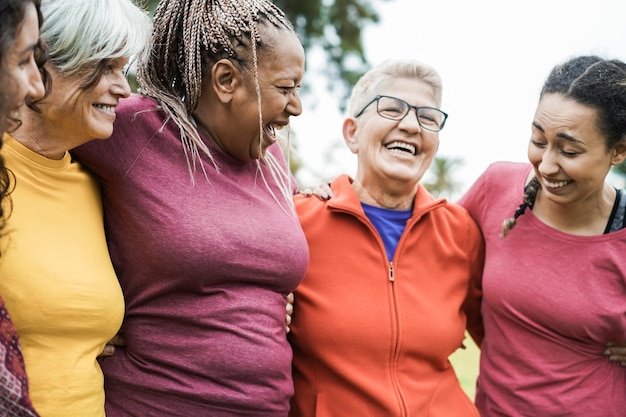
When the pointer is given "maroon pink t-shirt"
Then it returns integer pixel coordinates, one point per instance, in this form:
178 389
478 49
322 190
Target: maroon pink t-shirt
551 301
203 267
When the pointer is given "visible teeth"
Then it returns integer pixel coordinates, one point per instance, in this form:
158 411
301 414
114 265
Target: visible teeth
401 147
108 109
14 114
556 184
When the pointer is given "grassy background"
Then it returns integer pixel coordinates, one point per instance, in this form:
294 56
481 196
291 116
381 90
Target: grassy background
465 362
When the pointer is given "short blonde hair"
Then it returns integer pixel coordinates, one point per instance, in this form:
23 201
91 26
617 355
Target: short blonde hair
367 86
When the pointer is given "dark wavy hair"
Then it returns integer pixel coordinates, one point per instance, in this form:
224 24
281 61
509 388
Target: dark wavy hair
12 13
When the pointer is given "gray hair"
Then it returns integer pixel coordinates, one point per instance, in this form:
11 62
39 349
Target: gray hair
367 86
84 33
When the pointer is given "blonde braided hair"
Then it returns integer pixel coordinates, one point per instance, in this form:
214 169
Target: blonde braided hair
189 36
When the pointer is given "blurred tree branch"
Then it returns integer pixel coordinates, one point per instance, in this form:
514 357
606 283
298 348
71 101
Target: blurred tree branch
336 26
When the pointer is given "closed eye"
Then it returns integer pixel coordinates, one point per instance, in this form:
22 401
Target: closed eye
288 90
538 144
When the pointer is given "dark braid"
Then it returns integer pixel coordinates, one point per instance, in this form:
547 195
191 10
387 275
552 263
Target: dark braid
530 194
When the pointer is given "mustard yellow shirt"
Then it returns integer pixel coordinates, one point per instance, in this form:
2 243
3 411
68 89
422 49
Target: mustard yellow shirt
58 281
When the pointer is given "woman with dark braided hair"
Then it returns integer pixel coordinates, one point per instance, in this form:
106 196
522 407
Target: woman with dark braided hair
21 80
554 283
199 214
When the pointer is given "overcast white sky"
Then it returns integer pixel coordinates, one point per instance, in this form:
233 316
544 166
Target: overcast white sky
493 56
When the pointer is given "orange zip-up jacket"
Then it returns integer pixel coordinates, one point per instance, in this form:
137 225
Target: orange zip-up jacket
371 338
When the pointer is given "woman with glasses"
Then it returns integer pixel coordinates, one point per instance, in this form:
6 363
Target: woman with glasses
555 277
392 268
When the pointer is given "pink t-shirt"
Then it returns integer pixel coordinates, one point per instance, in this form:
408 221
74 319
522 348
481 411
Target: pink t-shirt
551 301
203 267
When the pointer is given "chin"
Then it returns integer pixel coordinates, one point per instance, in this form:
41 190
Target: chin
102 134
7 125
254 155
258 152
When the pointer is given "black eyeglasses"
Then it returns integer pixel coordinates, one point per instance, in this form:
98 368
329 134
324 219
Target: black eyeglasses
393 108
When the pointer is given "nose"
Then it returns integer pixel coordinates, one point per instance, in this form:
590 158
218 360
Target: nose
294 106
548 165
409 122
36 89
120 86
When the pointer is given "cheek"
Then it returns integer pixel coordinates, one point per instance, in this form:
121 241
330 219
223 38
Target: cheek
16 87
533 154
432 144
277 106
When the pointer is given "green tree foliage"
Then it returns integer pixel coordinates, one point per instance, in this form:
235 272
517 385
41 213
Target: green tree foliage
441 172
337 27
334 25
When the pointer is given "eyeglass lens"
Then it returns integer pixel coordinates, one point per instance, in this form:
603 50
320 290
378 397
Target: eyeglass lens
396 109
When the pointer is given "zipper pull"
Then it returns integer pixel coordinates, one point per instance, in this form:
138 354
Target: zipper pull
391 277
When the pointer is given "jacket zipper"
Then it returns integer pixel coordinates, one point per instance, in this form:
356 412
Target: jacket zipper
396 349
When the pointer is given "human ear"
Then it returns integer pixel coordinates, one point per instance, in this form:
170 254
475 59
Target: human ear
225 78
349 134
619 153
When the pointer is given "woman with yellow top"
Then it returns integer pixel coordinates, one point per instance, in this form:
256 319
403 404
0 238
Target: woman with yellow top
57 278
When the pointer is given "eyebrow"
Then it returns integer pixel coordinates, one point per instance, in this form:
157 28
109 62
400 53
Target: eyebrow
29 49
565 136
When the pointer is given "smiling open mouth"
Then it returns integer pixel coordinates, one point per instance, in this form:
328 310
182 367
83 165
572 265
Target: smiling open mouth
401 147
270 132
556 184
105 108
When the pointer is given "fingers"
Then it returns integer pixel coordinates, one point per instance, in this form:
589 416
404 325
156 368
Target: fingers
289 298
322 191
108 350
118 340
289 311
616 353
287 323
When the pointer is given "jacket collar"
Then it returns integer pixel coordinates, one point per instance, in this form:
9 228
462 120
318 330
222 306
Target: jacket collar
345 199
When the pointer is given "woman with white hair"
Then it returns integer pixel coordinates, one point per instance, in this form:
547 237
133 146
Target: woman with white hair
57 278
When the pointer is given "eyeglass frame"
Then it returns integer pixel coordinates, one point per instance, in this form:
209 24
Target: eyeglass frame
409 107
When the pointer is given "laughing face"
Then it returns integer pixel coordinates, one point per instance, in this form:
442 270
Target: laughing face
389 151
280 75
76 115
569 154
238 130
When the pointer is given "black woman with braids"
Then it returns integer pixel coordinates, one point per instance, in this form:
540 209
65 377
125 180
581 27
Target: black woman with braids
199 214
554 283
